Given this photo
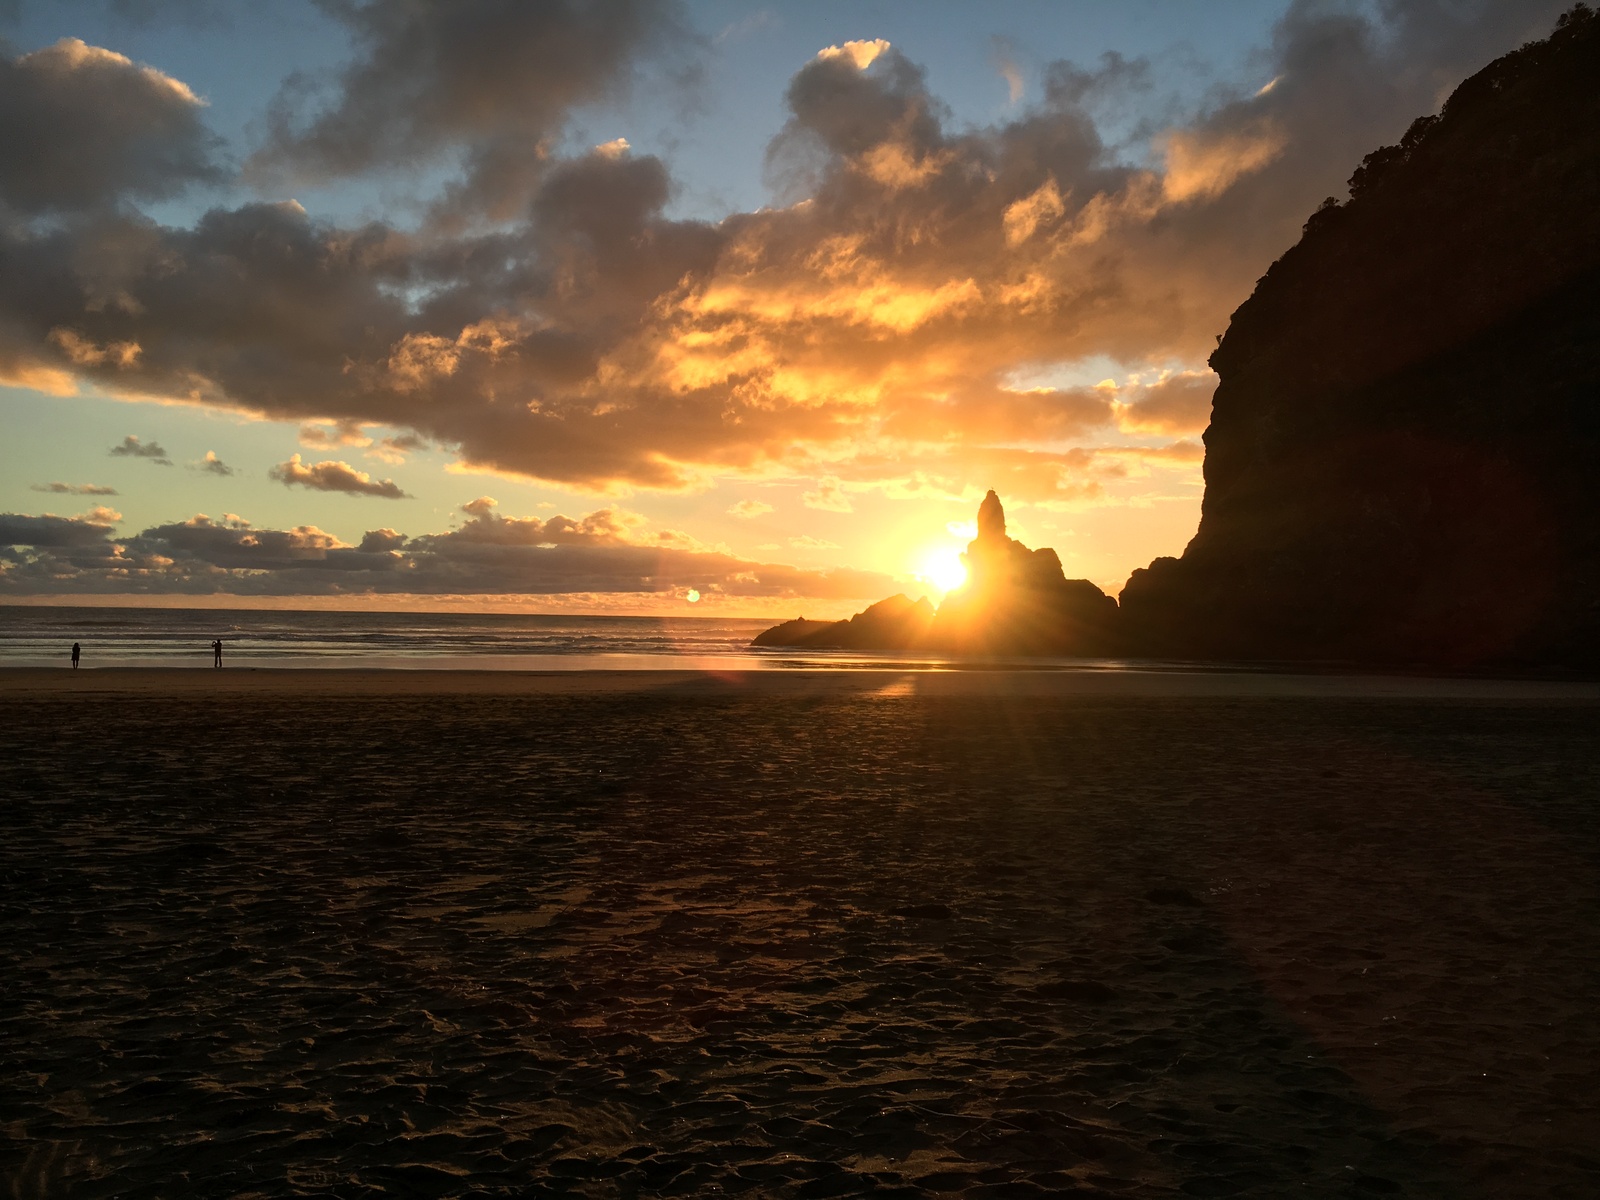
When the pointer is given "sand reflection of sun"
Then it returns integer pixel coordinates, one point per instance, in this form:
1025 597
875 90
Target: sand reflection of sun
943 568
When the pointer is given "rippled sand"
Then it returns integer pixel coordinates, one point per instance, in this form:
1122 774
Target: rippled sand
831 939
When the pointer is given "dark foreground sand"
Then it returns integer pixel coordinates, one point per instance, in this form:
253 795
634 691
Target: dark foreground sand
800 935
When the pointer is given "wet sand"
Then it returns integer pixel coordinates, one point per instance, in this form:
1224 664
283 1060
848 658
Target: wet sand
797 934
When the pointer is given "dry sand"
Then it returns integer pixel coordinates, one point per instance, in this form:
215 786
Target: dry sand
797 934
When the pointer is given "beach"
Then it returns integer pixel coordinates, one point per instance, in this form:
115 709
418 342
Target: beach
799 933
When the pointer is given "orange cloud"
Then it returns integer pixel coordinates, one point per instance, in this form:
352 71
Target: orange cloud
317 436
829 496
1201 166
860 55
868 329
333 476
84 353
393 450
1178 402
72 56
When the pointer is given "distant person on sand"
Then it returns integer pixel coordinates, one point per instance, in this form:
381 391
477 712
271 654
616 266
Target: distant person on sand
76 651
216 653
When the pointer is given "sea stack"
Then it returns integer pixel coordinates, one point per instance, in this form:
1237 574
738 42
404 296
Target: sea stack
1016 601
1019 601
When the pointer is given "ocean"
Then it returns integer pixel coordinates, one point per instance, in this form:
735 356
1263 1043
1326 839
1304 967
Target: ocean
173 637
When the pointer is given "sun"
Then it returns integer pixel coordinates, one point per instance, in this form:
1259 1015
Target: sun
943 568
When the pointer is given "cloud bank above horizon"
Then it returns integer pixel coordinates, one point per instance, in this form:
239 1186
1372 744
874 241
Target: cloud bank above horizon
607 552
912 316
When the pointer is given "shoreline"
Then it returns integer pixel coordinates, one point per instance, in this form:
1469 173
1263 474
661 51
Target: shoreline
1197 683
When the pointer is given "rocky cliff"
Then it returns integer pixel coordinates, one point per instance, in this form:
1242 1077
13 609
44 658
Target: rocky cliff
897 623
1402 459
1015 601
1019 601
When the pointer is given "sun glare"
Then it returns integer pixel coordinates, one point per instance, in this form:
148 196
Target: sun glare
943 568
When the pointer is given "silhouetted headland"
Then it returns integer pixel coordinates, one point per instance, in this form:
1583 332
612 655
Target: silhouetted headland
897 623
1015 601
1400 465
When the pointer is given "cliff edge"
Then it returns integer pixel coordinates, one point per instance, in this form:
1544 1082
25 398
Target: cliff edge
1401 461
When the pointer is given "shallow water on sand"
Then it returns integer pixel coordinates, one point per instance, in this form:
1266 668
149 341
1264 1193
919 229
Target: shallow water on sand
131 637
43 636
827 945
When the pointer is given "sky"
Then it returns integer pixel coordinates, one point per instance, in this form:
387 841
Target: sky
642 306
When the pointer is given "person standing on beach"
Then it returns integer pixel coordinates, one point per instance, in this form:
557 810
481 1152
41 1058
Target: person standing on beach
76 650
216 653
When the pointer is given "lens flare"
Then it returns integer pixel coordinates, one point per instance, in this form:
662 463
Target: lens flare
943 568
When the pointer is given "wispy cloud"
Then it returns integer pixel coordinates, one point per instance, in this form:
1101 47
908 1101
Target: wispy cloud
393 450
1004 53
73 489
317 435
735 31
829 496
132 447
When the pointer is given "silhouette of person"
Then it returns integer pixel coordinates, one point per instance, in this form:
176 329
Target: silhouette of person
216 653
76 651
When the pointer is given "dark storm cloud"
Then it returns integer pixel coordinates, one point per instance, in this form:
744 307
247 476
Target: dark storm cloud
490 80
605 552
873 332
82 127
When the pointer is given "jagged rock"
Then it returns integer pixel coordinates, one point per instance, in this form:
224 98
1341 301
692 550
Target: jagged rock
1015 601
991 520
1400 465
897 623
1019 601
792 633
